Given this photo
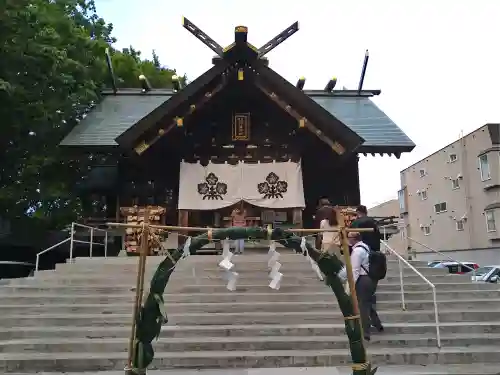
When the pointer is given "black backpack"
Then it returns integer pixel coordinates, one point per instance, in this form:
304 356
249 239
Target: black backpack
377 264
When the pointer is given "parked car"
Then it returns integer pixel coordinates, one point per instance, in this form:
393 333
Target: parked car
457 268
487 274
434 262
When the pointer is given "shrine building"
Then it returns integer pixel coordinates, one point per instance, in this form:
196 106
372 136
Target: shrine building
238 133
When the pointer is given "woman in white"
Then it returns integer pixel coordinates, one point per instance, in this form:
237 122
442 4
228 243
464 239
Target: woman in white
238 219
330 240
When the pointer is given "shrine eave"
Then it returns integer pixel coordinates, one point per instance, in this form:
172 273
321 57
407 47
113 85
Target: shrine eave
121 116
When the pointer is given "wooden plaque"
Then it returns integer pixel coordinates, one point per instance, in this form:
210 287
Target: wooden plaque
241 127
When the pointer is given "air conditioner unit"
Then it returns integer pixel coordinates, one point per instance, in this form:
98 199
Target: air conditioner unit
421 225
464 217
418 191
459 176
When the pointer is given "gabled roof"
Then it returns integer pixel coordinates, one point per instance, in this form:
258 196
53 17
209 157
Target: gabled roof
129 137
321 118
114 115
363 116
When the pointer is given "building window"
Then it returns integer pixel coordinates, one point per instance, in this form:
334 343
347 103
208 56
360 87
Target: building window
460 225
402 201
423 195
490 221
453 158
455 184
484 167
427 230
422 173
440 207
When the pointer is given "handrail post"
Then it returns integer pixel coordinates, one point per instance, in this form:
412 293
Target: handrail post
37 262
434 297
105 244
91 241
436 314
71 242
401 281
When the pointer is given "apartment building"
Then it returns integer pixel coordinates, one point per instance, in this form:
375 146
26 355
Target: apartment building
450 201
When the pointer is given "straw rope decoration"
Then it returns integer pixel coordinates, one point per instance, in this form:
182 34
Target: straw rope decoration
152 315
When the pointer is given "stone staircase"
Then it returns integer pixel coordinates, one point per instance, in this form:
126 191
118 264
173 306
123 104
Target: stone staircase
78 317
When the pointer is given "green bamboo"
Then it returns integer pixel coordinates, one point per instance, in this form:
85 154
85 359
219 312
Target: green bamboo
152 315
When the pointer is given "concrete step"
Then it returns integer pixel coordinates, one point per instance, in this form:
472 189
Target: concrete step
199 272
113 269
463 369
97 361
245 258
262 287
304 317
128 297
306 279
307 273
248 343
235 307
122 330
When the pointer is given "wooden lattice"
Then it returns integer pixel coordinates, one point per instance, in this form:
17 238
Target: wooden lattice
136 216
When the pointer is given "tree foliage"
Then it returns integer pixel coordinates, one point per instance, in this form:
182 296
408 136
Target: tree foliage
52 70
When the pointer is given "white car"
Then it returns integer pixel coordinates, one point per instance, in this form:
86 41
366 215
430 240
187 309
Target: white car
487 274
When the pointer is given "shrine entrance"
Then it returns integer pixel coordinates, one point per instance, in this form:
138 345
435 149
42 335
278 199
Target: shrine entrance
267 193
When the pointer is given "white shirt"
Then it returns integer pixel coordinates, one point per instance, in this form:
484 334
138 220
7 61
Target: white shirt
327 236
360 260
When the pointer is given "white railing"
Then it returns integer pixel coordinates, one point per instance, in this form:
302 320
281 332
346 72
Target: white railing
401 280
71 239
384 233
446 256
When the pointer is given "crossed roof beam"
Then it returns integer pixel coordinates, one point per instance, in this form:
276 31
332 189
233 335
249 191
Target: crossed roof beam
217 48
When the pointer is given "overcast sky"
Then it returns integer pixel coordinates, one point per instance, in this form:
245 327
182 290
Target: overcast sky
436 61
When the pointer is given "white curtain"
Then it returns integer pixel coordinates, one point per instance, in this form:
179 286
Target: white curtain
270 185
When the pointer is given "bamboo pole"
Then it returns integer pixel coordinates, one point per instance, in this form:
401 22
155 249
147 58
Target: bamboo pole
204 229
139 291
350 276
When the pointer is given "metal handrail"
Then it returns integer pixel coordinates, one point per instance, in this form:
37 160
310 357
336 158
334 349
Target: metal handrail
433 287
384 231
446 256
37 262
92 229
72 241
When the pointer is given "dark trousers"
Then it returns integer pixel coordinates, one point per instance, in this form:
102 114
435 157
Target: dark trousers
365 289
373 312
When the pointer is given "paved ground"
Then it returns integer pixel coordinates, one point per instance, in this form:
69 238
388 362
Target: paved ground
387 370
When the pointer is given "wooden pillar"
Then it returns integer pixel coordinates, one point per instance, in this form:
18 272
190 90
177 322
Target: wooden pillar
183 222
117 209
297 217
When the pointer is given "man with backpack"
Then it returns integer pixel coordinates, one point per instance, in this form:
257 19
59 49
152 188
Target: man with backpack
368 268
372 239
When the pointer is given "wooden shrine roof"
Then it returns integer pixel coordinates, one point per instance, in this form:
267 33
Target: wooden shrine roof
116 114
348 121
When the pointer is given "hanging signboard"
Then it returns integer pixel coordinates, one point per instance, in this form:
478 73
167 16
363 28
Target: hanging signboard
241 127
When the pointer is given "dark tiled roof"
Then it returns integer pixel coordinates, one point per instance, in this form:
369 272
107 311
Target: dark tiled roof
366 119
113 116
118 113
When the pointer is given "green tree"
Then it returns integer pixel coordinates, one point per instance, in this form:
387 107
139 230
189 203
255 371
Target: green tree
128 66
49 74
52 69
